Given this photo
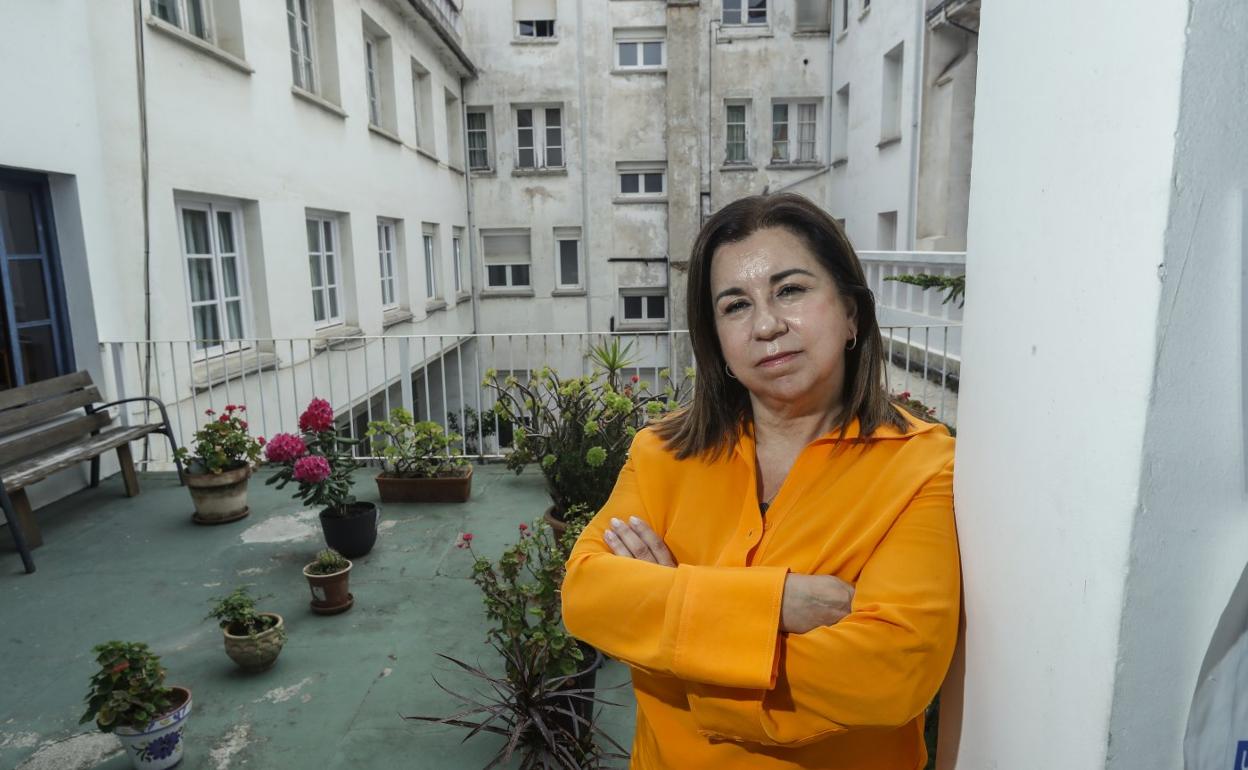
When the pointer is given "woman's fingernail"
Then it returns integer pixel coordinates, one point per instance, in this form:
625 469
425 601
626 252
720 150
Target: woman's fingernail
609 535
617 523
635 521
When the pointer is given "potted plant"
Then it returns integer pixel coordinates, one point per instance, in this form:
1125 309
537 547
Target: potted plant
542 704
579 430
417 465
128 697
320 462
253 639
219 465
474 428
329 579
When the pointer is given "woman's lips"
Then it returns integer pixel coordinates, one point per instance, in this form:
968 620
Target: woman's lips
779 359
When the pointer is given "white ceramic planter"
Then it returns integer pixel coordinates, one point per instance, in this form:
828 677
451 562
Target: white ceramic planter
158 745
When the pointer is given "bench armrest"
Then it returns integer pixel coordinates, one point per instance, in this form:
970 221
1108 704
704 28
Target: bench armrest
164 414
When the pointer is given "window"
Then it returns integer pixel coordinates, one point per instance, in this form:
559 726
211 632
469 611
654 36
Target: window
480 129
568 257
432 287
736 132
212 245
193 16
745 12
890 109
457 252
840 137
886 231
813 15
370 74
643 307
386 247
534 18
640 48
422 106
325 264
313 54
507 258
866 5
794 128
844 16
642 180
539 137
454 131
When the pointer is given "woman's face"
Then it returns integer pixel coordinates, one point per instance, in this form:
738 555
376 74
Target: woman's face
782 323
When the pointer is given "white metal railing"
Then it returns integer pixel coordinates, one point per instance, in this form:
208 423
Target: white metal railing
436 377
449 14
912 303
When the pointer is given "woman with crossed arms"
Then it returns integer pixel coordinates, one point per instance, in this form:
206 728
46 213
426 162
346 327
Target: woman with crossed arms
778 562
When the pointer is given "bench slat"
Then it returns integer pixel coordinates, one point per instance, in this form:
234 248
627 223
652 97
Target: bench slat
33 469
24 417
57 386
22 446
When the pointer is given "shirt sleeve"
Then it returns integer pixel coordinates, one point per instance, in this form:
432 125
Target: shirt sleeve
713 625
882 664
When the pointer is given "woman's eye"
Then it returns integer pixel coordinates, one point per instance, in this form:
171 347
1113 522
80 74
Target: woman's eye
791 289
734 307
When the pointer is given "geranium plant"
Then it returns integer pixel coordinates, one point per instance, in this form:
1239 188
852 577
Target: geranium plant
223 443
318 460
411 449
578 430
129 689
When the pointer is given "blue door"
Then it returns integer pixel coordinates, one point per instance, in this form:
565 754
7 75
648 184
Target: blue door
34 330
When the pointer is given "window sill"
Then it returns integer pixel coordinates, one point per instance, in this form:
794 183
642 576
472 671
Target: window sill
455 168
200 45
319 101
462 296
838 162
639 71
230 366
745 31
338 337
394 316
886 141
624 199
730 167
804 165
422 151
539 171
568 292
813 32
384 134
534 40
501 292
863 13
483 172
840 36
434 305
641 326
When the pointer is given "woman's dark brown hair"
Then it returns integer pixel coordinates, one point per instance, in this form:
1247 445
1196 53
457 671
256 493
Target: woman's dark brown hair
708 426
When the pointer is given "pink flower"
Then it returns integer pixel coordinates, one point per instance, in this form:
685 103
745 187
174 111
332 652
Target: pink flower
464 540
635 378
260 440
312 469
905 394
285 447
242 424
318 417
523 526
224 418
209 412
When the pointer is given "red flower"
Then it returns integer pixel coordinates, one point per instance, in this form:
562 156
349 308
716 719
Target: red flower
260 440
905 394
467 537
464 540
122 666
312 469
284 448
230 407
523 526
318 417
635 378
224 418
243 423
209 412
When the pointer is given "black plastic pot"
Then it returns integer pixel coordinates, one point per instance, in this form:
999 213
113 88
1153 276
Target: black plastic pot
587 679
352 535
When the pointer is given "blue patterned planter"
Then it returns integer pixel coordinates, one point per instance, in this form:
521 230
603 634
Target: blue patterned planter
158 745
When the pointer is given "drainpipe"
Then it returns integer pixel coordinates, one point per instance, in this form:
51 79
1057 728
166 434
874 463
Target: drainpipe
140 63
912 215
827 159
584 129
472 239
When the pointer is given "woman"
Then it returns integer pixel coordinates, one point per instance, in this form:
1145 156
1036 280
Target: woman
777 562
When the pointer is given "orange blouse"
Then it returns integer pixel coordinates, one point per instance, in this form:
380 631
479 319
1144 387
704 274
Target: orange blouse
717 685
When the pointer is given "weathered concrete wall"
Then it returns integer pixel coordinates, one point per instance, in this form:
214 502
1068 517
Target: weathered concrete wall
949 68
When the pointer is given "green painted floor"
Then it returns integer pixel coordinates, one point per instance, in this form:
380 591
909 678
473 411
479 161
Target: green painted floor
139 570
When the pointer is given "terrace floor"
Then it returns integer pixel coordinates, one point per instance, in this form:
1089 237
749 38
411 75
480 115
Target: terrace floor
138 570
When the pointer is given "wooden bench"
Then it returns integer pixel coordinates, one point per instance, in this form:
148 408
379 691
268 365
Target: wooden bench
41 433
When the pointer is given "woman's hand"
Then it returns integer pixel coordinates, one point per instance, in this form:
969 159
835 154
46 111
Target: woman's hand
636 540
811 601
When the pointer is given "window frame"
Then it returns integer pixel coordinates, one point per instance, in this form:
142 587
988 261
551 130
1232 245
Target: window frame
181 10
486 131
541 130
391 249
431 252
646 321
322 253
509 271
743 8
303 14
569 235
640 37
519 34
212 208
745 104
457 254
372 79
793 140
641 170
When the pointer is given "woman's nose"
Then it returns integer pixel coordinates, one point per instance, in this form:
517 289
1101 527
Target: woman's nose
767 324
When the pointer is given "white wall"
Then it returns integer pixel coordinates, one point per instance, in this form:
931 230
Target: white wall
1070 200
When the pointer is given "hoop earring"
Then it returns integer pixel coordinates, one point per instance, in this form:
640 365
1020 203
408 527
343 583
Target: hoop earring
729 371
852 343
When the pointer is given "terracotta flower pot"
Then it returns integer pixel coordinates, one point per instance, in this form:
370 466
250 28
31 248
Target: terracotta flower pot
158 745
329 592
439 489
258 652
219 497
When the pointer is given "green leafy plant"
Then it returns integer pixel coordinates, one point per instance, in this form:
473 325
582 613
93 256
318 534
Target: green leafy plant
474 427
318 459
328 562
128 690
953 285
411 449
578 430
236 613
223 443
